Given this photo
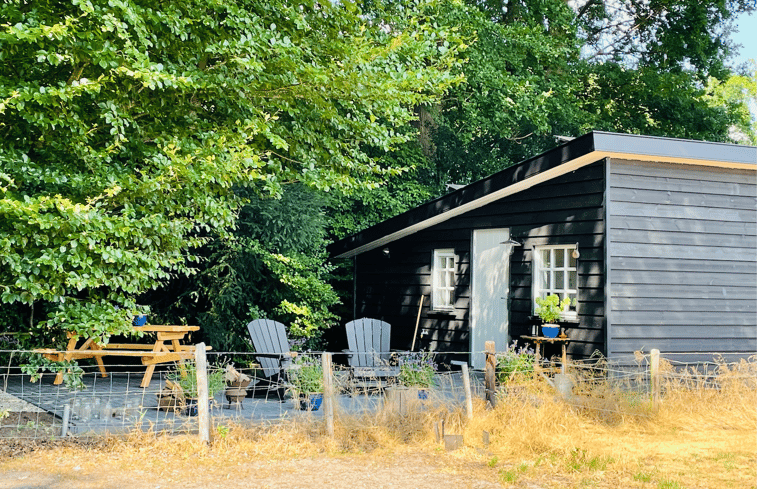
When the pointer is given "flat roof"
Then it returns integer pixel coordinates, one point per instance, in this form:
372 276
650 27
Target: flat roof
565 158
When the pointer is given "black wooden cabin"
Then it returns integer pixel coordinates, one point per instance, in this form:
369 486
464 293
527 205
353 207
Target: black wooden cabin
655 239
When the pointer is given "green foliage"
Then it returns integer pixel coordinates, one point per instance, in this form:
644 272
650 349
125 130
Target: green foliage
738 94
127 126
185 376
272 266
514 364
520 84
646 101
36 365
550 307
417 370
540 68
665 35
306 375
351 212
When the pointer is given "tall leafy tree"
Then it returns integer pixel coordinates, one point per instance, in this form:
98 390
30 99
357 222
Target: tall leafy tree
272 265
667 35
126 125
541 68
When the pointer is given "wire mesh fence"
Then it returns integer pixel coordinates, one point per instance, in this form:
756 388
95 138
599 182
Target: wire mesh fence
240 391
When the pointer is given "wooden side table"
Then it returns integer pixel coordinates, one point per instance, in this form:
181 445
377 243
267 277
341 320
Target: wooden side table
539 340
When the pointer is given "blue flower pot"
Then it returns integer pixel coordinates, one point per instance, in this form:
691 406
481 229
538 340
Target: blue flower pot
140 320
550 331
311 402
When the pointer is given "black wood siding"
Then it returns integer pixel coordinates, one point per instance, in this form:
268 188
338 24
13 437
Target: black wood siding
565 210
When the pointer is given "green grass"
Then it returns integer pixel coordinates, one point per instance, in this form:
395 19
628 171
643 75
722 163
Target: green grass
728 460
644 475
511 476
580 461
669 484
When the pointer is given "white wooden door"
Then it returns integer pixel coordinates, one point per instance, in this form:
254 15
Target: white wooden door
490 278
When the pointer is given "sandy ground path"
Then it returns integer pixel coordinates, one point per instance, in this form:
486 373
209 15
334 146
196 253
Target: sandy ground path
393 471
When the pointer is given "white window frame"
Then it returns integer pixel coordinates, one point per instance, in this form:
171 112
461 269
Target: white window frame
539 290
438 283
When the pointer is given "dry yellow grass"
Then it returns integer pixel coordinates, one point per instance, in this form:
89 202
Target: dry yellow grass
700 437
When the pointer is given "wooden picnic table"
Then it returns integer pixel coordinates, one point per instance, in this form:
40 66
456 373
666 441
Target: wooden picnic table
166 348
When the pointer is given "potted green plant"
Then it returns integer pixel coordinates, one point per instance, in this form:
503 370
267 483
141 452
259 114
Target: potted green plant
549 309
183 384
305 380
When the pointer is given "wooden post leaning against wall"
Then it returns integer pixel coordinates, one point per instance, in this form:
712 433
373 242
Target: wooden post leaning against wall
654 377
328 392
490 378
203 399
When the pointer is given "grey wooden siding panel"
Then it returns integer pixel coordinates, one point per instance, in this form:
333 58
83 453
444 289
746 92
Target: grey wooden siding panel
677 238
710 345
675 172
686 225
744 254
689 305
685 198
664 211
672 184
682 258
678 265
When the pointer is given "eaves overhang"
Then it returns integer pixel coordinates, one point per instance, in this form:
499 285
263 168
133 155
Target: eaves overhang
563 159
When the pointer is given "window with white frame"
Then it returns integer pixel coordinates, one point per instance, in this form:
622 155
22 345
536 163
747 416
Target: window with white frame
443 280
555 272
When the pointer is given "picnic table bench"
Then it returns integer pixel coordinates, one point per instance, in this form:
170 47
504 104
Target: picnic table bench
152 354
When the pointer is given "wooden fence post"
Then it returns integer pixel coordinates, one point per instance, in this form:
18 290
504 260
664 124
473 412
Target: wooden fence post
490 379
328 393
654 377
203 400
466 387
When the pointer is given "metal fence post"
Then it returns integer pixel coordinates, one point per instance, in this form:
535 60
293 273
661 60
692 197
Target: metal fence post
203 399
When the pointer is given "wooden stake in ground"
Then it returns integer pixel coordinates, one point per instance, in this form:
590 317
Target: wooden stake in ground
417 322
203 399
466 387
654 377
489 374
328 393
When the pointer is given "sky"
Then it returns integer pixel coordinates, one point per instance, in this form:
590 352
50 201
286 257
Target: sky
747 37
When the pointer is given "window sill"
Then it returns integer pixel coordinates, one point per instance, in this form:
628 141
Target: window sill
441 312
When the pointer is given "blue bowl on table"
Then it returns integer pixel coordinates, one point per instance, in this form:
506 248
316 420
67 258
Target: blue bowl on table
550 331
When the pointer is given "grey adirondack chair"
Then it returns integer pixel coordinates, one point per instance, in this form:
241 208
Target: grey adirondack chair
369 355
272 350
